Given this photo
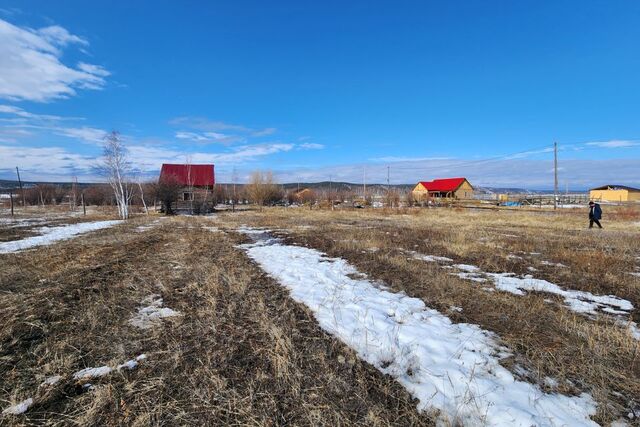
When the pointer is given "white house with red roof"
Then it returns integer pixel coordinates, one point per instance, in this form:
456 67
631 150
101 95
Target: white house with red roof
450 188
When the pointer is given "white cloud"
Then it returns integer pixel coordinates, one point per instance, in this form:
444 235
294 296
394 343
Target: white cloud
264 132
31 67
615 143
58 163
12 135
19 112
204 124
209 137
57 35
311 146
393 159
50 163
149 159
93 69
192 136
84 133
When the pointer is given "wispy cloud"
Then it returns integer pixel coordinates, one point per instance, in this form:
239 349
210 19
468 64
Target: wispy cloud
614 143
209 137
19 112
84 134
264 132
206 125
393 159
311 146
31 67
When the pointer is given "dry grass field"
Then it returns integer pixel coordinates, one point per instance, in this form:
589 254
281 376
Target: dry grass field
224 343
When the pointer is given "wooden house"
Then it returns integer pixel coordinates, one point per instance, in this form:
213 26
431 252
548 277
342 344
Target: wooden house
450 188
196 184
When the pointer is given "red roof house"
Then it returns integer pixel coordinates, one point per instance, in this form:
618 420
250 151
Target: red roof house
190 175
457 188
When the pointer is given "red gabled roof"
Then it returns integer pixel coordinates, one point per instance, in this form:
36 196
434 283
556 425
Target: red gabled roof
196 175
443 185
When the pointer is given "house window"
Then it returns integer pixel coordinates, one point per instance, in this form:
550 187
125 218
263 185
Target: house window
187 196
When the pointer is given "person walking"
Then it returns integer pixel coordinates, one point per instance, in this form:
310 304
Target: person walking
595 214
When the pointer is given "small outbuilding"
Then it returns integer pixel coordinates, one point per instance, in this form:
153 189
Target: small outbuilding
615 193
451 188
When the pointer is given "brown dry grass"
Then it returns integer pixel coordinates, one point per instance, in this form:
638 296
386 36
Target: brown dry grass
242 353
584 354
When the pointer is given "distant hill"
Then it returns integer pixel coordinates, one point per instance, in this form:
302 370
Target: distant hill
6 184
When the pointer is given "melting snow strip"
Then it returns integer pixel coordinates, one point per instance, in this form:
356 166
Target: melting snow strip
577 301
50 235
453 368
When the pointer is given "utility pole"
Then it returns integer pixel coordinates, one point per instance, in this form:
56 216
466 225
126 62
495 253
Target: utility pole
331 191
74 193
387 179
364 184
20 184
555 175
233 201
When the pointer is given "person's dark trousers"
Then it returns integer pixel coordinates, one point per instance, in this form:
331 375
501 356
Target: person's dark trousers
591 221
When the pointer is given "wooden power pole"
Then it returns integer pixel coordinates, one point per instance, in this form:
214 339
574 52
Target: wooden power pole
20 184
555 175
364 184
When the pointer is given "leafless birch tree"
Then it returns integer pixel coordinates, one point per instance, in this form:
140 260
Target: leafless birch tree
117 169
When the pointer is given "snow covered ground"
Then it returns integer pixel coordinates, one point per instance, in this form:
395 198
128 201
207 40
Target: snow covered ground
49 235
453 368
577 301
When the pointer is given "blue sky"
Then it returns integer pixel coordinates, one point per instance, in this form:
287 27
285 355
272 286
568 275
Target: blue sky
319 90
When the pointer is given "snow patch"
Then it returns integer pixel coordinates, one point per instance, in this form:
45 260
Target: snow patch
453 368
578 301
429 258
468 268
52 380
92 373
19 408
553 264
133 363
49 235
151 315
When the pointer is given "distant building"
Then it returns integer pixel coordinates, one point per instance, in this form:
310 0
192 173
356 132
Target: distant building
451 188
615 193
197 183
305 195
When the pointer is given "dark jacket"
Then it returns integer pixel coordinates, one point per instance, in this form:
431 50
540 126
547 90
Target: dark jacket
595 212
